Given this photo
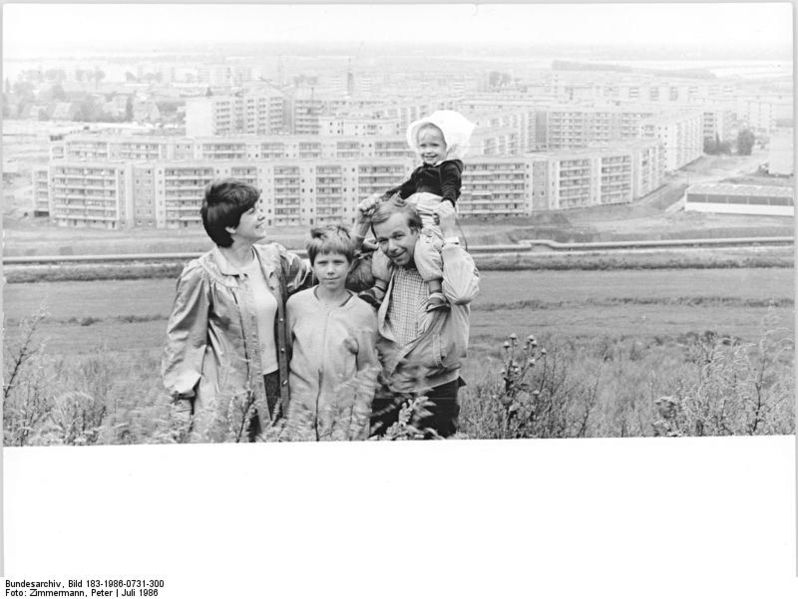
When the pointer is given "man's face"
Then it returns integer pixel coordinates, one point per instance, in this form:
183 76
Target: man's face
396 239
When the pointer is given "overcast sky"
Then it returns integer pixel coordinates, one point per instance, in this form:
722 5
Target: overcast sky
33 27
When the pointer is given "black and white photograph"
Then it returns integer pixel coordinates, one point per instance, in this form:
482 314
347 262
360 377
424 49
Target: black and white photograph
559 234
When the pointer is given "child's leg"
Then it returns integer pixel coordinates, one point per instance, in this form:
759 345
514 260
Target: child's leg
427 256
425 204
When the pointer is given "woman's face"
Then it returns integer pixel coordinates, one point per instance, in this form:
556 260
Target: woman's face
250 226
331 271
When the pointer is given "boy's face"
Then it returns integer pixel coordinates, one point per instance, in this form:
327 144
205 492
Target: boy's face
431 144
331 271
396 239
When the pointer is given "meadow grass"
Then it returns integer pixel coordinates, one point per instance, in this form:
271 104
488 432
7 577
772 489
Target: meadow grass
627 354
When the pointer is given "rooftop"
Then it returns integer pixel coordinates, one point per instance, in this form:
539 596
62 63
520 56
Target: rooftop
741 190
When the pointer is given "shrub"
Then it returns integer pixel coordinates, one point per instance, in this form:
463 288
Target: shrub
736 388
535 396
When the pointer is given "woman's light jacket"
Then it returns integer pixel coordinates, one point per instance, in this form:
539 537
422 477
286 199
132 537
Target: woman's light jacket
212 351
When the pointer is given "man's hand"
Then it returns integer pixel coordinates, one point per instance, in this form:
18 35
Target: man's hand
447 219
366 208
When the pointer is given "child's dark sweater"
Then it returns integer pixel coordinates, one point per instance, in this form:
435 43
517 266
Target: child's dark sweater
443 179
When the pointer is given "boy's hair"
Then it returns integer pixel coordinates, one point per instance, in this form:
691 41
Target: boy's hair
330 239
425 126
224 202
385 210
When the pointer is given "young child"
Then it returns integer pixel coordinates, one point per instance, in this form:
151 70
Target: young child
334 366
441 141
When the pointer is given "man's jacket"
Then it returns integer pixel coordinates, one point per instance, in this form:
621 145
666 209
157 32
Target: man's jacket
435 357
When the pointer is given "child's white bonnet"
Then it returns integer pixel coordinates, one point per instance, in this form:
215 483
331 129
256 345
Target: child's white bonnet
456 131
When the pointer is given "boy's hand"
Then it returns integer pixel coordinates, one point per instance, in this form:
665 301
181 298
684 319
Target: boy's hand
447 218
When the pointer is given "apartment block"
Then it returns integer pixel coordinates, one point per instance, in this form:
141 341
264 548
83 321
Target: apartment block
564 127
91 194
40 181
763 112
148 148
648 166
506 133
618 173
681 135
358 126
496 187
255 113
502 141
716 123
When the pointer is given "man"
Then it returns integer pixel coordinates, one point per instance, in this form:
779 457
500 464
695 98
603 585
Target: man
421 351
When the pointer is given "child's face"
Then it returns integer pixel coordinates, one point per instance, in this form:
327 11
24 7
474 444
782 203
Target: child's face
331 271
431 144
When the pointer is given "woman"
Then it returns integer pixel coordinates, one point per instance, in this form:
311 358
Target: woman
225 363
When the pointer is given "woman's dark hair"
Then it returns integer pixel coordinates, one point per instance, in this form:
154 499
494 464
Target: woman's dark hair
330 239
224 202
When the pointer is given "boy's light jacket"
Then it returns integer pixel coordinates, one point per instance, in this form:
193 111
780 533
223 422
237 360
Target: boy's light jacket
333 369
212 349
434 358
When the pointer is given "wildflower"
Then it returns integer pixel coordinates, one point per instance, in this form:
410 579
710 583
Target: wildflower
506 345
543 352
513 338
530 362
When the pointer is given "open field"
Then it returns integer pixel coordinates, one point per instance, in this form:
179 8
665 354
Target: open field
132 314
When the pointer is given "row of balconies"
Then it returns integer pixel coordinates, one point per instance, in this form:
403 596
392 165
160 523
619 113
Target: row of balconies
79 203
101 174
184 174
493 187
81 195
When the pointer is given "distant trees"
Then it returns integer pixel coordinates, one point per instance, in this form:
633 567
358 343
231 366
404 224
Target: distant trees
715 146
498 79
745 142
58 92
89 75
56 75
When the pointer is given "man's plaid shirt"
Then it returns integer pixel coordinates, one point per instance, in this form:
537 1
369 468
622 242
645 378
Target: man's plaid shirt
407 314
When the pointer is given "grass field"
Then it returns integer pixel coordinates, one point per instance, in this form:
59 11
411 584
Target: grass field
620 340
